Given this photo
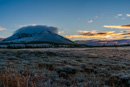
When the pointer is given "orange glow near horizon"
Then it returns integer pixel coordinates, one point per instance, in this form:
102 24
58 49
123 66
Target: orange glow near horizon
110 35
117 27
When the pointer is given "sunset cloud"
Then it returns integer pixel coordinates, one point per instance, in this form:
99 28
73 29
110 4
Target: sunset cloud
81 31
128 15
101 35
1 28
118 26
98 34
127 31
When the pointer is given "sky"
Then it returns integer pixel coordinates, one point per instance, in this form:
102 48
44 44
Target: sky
75 19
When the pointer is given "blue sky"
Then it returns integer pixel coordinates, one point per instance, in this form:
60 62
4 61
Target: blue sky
69 16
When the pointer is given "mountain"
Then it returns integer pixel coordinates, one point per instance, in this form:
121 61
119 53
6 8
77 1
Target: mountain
37 33
103 42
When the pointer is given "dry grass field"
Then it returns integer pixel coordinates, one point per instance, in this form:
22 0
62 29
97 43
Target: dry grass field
65 67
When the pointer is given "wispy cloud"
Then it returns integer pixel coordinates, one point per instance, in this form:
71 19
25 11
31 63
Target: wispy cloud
81 31
90 21
118 15
101 35
1 28
128 15
61 32
118 26
96 17
123 18
127 31
27 25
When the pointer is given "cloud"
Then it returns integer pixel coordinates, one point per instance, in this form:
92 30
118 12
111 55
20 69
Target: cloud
101 35
127 25
118 15
1 28
123 18
27 25
90 21
94 33
98 34
96 17
81 31
37 29
118 26
127 31
128 15
61 32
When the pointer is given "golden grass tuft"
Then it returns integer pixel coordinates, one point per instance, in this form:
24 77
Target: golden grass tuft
10 79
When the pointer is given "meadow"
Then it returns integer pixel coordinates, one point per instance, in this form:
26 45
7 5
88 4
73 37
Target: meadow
65 67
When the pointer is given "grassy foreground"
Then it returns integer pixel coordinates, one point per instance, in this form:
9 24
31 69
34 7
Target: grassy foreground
65 67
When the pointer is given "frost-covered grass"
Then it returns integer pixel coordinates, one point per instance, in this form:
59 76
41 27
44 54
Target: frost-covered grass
65 67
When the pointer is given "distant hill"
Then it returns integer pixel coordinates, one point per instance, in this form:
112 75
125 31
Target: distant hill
37 33
103 42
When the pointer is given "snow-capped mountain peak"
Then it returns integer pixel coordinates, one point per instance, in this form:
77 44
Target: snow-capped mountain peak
37 33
